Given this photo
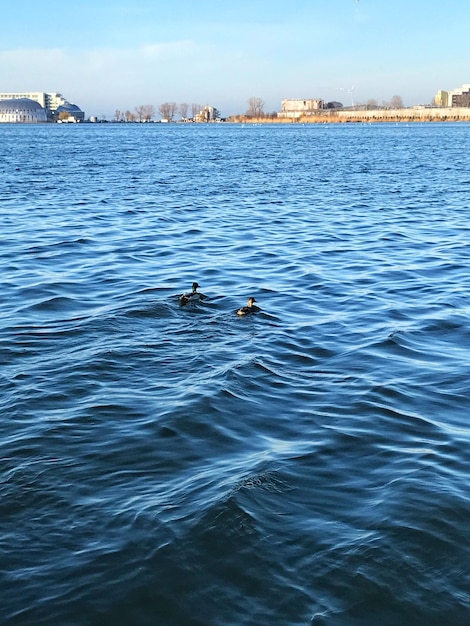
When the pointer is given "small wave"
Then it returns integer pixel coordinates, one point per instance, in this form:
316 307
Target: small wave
56 304
279 469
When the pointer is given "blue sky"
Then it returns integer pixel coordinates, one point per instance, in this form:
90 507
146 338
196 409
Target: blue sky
116 54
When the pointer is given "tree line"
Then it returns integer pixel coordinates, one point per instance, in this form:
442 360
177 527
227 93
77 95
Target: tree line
169 110
395 103
166 110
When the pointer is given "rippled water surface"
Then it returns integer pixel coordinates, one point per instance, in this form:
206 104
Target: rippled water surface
307 465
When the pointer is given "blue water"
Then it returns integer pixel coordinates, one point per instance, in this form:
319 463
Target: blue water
166 465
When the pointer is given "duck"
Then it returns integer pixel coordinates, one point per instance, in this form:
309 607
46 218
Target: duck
194 296
250 308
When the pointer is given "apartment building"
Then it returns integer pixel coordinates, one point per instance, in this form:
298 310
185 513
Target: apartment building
49 101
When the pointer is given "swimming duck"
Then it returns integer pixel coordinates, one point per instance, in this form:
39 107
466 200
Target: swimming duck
250 308
194 296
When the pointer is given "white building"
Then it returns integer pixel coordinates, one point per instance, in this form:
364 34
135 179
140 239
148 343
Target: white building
298 107
456 98
460 97
22 110
49 101
207 114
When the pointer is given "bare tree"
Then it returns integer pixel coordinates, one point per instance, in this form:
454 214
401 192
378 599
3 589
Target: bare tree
195 109
145 112
396 102
117 115
130 117
149 112
183 109
167 110
140 112
255 107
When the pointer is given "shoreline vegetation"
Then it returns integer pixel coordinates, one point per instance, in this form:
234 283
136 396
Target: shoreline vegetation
323 116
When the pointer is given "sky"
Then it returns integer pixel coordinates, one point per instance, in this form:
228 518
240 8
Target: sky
118 54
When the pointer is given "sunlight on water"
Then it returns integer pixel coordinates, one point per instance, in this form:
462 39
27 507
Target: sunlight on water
171 464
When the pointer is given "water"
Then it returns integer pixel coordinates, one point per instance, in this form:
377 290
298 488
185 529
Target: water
181 466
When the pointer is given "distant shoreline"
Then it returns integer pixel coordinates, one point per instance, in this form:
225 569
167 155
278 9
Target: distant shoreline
451 114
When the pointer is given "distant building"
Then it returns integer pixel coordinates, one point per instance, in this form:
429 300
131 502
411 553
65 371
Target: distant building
460 97
207 114
297 108
50 102
456 98
69 113
442 99
22 110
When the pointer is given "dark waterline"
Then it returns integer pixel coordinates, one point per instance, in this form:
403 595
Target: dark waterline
169 465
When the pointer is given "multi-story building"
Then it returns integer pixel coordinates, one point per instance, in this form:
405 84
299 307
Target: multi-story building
207 114
49 101
22 110
297 107
460 97
456 98
441 99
